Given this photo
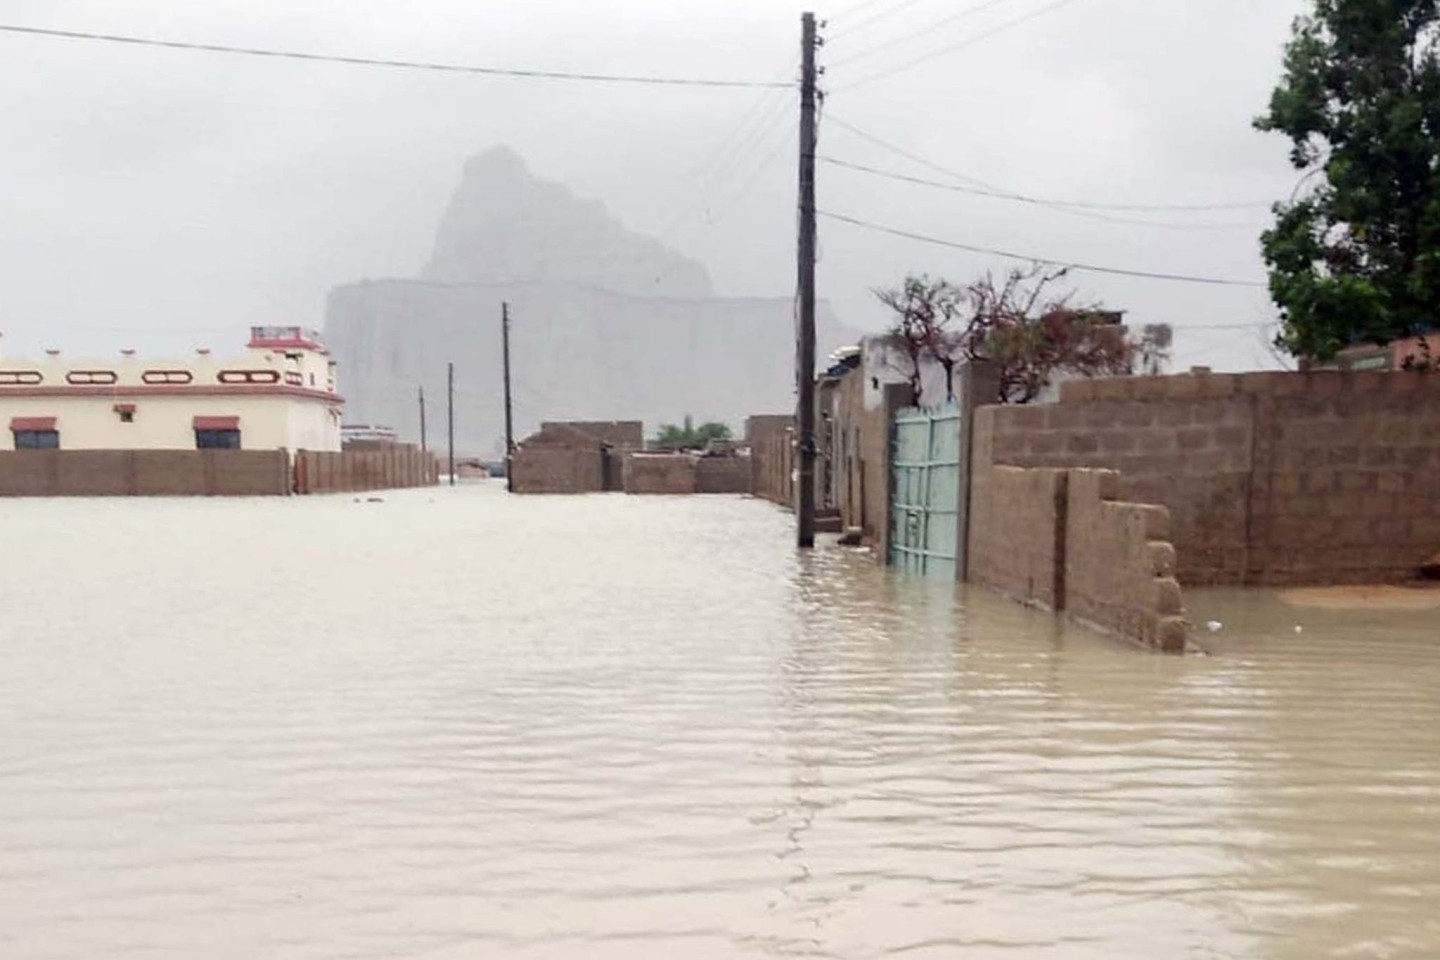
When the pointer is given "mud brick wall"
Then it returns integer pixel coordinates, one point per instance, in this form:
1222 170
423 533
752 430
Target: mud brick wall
659 474
558 469
112 473
1270 478
722 475
1119 564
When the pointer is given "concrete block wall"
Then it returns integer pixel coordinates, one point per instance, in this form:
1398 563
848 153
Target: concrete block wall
354 471
650 473
772 466
1060 539
107 473
1119 566
722 475
1270 478
558 469
861 448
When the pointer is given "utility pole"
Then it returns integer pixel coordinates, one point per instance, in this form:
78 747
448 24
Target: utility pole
450 416
424 446
805 346
509 420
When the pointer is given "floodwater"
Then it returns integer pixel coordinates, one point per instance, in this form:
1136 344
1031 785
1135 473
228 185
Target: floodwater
457 725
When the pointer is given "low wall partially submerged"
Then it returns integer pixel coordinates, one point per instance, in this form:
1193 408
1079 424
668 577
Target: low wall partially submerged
144 473
354 471
1060 539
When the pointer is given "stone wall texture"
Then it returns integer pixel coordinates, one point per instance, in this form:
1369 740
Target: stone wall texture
1270 478
118 473
772 467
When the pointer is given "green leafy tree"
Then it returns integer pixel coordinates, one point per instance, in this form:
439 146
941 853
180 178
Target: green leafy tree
1357 259
689 436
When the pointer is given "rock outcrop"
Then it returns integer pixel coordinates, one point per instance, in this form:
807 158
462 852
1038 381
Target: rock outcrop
607 324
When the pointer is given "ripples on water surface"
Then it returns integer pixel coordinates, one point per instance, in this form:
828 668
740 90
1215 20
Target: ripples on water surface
457 725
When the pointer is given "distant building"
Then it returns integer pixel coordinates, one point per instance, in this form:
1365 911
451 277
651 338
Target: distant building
1396 355
367 435
280 394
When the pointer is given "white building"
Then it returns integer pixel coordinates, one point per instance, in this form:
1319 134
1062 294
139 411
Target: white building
279 394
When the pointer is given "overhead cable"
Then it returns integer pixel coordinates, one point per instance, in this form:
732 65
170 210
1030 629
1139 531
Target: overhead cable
967 42
1030 258
1061 205
925 32
401 64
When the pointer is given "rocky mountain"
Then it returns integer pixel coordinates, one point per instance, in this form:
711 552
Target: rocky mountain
606 324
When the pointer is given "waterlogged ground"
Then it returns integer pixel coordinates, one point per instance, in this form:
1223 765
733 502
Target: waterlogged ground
457 725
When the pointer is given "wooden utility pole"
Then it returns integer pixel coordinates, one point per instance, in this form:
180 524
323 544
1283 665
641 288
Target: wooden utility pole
805 336
424 445
509 420
450 415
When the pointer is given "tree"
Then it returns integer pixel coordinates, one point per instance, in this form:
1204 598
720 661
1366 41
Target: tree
924 310
1032 334
1358 258
690 437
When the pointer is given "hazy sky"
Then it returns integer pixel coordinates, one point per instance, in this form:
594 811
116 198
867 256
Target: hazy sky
157 198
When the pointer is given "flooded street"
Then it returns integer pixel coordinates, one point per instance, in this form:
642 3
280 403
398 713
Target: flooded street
454 724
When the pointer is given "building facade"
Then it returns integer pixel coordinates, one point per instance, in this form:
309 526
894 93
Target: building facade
280 394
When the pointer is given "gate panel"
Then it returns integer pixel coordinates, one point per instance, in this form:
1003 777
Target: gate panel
927 491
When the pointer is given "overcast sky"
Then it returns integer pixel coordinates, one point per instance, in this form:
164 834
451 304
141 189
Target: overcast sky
165 199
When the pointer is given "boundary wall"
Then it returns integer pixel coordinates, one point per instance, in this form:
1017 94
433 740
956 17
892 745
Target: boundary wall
352 471
144 473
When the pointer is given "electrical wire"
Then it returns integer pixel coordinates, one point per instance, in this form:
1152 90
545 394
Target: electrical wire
401 64
988 189
873 19
1028 258
924 32
968 42
1060 207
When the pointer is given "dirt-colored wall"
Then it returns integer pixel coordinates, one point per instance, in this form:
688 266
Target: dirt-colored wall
861 455
1059 539
388 468
1119 565
1270 478
772 467
722 475
558 469
660 473
111 473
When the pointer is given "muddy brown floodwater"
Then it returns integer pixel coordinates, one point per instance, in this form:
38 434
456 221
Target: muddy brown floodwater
458 725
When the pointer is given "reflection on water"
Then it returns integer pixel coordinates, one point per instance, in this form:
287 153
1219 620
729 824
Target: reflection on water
459 725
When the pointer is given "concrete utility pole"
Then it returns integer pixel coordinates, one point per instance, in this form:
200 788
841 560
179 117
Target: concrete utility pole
805 345
424 446
450 415
509 420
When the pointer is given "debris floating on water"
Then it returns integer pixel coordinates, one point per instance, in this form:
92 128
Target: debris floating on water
1214 626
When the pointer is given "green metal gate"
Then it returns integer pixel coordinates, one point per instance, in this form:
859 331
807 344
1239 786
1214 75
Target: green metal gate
926 494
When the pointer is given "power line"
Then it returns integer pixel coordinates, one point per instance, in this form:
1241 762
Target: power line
1061 206
1088 268
852 9
992 190
926 31
968 42
874 18
401 64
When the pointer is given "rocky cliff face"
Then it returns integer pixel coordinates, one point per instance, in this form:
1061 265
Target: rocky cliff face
607 324
503 225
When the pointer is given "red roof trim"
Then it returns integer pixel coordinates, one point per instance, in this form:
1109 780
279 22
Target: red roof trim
32 423
217 423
